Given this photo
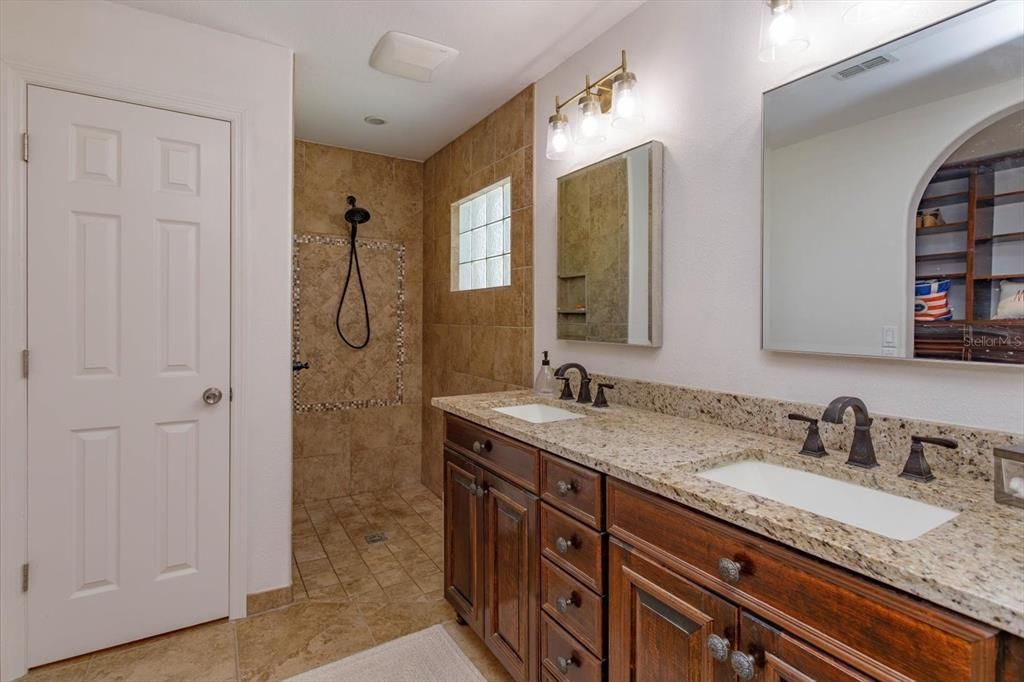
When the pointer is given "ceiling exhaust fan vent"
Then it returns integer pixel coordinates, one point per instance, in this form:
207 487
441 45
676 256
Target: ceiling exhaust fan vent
867 65
406 56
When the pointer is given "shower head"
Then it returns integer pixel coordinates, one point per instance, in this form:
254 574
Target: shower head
355 215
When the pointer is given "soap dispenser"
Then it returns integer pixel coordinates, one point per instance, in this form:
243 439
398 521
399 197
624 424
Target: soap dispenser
544 384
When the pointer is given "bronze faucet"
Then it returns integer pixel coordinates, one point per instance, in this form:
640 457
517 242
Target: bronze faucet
584 396
862 451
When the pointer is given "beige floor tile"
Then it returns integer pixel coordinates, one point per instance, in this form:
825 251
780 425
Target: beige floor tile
389 620
308 549
478 653
356 584
202 653
331 593
302 528
282 643
320 580
390 577
311 568
430 583
421 569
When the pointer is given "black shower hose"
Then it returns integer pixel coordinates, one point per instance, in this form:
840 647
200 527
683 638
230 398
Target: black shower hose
353 257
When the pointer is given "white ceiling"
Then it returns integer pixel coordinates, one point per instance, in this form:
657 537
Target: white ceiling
962 54
503 45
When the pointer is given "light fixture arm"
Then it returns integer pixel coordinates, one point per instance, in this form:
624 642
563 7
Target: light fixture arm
603 85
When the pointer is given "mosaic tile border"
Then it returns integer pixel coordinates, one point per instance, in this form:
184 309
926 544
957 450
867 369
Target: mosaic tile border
369 244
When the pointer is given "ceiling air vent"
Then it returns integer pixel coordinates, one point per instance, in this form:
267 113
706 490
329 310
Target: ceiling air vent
867 65
401 54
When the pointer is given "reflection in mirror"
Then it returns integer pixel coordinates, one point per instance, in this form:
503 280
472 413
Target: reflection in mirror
609 250
894 198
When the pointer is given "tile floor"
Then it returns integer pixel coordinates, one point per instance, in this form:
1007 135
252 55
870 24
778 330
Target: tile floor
350 595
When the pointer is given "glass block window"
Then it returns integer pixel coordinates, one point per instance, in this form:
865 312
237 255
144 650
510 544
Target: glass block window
481 239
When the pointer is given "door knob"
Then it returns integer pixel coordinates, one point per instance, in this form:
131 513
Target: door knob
212 396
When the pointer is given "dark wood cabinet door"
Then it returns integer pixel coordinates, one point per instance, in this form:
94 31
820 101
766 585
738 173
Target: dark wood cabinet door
770 655
511 574
463 538
661 626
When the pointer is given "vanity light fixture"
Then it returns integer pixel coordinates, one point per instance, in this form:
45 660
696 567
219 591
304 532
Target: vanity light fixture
592 119
615 93
559 136
783 30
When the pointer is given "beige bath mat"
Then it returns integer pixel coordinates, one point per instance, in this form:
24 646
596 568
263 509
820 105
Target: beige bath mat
429 655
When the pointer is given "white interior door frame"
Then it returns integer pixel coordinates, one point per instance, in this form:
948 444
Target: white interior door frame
14 82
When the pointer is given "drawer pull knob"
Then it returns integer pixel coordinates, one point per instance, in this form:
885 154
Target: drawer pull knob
729 570
742 665
565 662
480 490
480 448
564 603
719 648
566 487
563 546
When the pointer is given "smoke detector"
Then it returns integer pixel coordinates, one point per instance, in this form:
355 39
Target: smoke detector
406 56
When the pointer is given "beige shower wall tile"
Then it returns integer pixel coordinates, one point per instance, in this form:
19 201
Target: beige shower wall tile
476 341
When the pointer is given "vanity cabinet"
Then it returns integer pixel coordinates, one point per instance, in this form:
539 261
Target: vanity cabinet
664 627
491 558
799 618
571 577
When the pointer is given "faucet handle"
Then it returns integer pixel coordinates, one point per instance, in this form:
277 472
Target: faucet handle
812 447
599 399
566 388
944 442
916 468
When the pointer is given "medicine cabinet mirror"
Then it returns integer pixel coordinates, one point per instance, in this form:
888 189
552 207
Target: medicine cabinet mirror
609 250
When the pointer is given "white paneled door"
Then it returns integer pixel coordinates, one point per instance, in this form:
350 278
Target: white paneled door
128 332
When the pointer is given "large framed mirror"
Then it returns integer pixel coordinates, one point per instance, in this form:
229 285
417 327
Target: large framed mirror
894 198
609 250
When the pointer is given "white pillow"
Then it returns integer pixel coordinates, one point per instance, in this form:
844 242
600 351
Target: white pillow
1011 301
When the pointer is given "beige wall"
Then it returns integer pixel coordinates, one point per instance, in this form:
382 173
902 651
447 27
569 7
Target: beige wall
357 412
476 341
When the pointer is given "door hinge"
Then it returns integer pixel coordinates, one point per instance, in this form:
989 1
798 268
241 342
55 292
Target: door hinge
24 577
24 147
24 364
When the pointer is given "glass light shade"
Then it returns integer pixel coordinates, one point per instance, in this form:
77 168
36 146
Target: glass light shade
783 31
626 109
559 138
592 122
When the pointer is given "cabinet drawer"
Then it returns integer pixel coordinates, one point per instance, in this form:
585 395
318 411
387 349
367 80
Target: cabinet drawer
876 629
564 658
576 490
573 547
515 461
573 606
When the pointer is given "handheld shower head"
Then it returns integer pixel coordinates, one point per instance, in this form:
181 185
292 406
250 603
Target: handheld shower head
355 215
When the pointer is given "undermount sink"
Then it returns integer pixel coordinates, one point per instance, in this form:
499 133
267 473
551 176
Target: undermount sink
890 515
538 413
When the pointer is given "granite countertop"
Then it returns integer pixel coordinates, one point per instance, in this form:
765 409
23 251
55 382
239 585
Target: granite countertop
973 564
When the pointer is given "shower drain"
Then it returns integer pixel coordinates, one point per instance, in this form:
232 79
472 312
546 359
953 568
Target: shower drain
374 538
